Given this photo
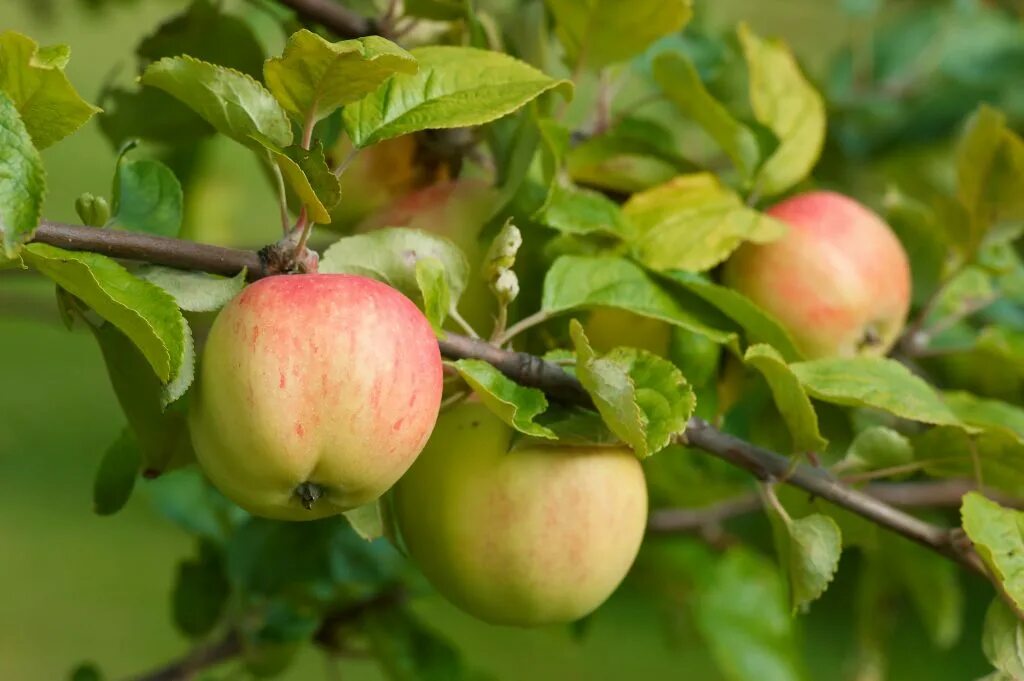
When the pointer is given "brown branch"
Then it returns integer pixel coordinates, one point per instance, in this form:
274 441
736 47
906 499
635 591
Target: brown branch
333 16
231 645
924 494
197 660
533 371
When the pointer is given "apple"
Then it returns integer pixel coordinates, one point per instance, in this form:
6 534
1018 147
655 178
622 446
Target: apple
839 280
315 394
376 176
529 535
608 328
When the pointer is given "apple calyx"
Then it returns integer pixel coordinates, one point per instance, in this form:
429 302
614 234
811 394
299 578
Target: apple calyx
308 493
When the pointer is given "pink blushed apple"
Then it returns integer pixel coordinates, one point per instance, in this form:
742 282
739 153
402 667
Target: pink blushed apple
839 280
315 394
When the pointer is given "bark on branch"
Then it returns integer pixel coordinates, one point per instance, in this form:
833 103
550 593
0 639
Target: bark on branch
333 16
533 371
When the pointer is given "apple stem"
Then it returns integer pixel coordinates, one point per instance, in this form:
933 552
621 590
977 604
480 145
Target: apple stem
308 493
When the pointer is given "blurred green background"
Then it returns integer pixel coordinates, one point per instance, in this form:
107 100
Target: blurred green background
76 587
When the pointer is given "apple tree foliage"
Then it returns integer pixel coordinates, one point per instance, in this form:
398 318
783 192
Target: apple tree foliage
632 148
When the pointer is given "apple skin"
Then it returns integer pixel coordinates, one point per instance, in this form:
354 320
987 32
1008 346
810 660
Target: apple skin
839 280
536 535
608 328
328 379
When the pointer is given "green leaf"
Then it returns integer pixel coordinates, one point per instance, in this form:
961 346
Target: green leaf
792 402
194 291
307 174
878 447
581 282
874 382
742 614
630 157
367 520
760 326
990 170
143 311
201 592
809 548
22 180
116 475
1002 640
47 102
679 80
188 500
390 255
206 31
693 223
642 398
53 56
147 197
998 537
987 414
86 672
314 77
455 87
232 102
432 281
161 435
601 32
933 585
575 210
408 650
789 106
514 404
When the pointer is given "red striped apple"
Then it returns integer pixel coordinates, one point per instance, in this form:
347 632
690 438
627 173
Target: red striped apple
315 394
839 280
526 536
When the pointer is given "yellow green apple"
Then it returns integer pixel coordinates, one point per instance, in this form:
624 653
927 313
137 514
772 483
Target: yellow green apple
526 535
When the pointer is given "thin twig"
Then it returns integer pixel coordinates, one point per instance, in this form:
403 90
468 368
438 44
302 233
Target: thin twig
282 193
538 317
334 16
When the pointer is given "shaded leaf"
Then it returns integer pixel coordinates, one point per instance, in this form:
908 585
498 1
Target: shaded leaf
147 197
679 80
367 520
693 223
160 434
987 414
455 87
878 447
741 612
408 649
201 592
810 549
1002 640
516 405
116 475
433 286
307 174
